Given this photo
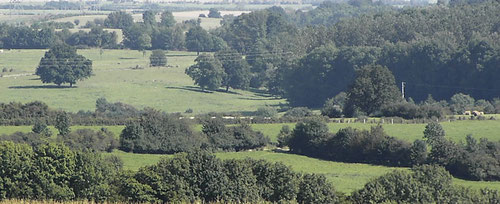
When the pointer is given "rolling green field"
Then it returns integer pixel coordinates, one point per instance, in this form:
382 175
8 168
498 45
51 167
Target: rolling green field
166 88
346 177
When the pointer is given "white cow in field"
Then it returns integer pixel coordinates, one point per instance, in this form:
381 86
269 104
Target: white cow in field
1 51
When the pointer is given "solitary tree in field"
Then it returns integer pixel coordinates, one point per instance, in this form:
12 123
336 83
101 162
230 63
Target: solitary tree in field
61 64
158 58
207 72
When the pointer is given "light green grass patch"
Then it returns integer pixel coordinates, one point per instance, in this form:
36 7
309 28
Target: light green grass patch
345 177
165 88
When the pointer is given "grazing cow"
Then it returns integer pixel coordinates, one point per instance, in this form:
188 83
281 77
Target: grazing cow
467 113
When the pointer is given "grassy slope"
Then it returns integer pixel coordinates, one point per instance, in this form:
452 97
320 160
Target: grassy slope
168 89
346 177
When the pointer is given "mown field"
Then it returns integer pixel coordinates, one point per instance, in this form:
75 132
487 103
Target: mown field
346 177
166 88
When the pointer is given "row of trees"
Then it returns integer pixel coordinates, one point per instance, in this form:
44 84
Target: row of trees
23 37
54 172
157 132
473 161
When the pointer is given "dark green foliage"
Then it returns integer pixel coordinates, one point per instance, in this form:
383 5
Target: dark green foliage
374 147
236 68
315 189
41 128
266 112
207 72
312 138
115 110
284 136
418 152
167 19
23 37
198 176
137 37
119 19
333 106
52 172
424 184
157 132
434 132
214 13
63 123
408 110
460 103
309 137
32 139
97 37
373 88
298 112
149 17
61 64
89 140
199 40
235 138
158 58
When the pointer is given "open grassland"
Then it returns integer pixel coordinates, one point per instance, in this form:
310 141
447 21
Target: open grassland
165 88
346 177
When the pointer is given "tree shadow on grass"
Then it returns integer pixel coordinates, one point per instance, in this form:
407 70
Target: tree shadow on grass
198 89
188 88
42 87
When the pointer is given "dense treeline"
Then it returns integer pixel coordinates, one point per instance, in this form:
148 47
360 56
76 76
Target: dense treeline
423 184
437 50
54 172
42 36
472 161
157 132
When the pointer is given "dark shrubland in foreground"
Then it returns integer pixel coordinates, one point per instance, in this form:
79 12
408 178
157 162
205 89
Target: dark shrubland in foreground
54 172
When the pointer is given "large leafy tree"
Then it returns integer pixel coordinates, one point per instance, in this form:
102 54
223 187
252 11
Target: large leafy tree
373 88
61 64
119 19
236 68
207 72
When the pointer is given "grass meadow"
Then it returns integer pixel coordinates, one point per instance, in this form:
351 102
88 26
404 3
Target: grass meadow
346 177
166 88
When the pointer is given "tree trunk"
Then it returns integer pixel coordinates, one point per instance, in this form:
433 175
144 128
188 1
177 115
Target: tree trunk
227 88
198 52
70 84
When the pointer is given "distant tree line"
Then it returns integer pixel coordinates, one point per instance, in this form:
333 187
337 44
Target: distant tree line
41 36
473 160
